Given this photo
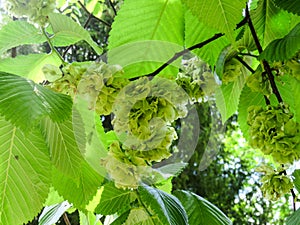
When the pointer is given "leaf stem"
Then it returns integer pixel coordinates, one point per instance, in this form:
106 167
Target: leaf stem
264 62
113 7
52 46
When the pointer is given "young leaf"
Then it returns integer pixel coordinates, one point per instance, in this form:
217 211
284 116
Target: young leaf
51 214
140 216
24 102
25 172
296 176
166 207
78 191
228 96
291 6
222 15
283 48
141 45
89 218
67 32
201 211
29 66
247 99
294 218
64 151
113 200
18 33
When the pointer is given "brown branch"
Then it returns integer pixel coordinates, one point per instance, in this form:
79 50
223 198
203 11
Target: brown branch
113 7
245 64
264 62
66 219
94 17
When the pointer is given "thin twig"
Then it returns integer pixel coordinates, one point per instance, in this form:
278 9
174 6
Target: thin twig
264 62
94 17
248 54
113 7
245 64
66 219
181 53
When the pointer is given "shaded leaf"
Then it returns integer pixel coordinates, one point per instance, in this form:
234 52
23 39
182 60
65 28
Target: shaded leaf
140 216
18 33
222 15
294 218
201 211
29 66
25 172
24 102
283 48
113 200
166 207
291 6
67 32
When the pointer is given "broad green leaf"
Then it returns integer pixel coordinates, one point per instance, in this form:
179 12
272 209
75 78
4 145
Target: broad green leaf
140 216
25 172
283 48
113 200
200 211
228 96
296 176
89 218
139 44
294 218
24 102
248 98
291 6
270 22
18 33
197 32
64 151
67 32
166 207
53 198
121 219
222 15
51 214
78 191
29 66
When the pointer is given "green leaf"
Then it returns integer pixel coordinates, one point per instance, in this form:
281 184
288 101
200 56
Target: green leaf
295 90
296 176
64 151
78 191
24 102
141 45
247 99
294 218
228 96
140 216
29 66
291 6
113 200
25 172
166 207
283 48
89 218
122 218
18 33
51 214
196 32
222 15
200 211
68 32
269 21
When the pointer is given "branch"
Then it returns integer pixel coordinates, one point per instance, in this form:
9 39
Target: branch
181 53
264 62
94 17
113 7
245 64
